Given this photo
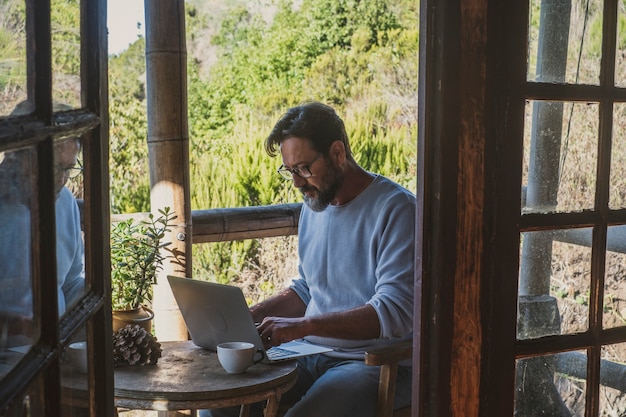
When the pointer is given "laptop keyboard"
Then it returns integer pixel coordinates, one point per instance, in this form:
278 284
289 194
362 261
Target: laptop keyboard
275 353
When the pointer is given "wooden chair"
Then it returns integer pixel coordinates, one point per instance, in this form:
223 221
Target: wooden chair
387 358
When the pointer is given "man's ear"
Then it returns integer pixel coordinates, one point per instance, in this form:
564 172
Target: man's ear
337 152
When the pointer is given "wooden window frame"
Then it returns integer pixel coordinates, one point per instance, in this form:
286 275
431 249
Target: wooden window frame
600 217
473 89
39 371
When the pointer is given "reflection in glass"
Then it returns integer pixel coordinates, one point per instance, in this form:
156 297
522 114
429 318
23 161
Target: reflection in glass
12 55
554 285
612 381
70 246
565 41
560 156
65 22
617 190
615 278
620 53
25 405
18 328
74 372
551 385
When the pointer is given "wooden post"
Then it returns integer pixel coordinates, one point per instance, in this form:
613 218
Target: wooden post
168 150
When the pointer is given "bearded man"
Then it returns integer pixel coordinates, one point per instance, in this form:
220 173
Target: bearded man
354 292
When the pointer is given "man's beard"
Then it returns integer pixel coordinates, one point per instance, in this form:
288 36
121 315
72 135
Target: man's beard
325 195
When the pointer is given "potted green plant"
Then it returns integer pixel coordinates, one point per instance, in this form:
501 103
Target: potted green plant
136 259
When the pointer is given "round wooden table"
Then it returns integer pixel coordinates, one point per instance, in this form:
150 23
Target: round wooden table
187 377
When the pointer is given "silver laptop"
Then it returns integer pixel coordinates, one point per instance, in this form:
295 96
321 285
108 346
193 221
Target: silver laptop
216 313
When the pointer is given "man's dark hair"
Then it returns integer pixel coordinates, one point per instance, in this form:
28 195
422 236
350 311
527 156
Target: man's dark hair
313 121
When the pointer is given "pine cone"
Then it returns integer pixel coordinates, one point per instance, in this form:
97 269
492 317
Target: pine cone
133 345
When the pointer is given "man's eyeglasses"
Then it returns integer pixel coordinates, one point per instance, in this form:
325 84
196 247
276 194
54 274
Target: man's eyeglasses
303 171
73 172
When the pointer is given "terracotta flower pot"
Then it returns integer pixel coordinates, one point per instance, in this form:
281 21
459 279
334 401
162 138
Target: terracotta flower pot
142 316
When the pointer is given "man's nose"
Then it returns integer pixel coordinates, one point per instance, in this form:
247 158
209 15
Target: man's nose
61 180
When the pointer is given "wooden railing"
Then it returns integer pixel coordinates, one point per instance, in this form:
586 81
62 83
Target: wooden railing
227 224
220 225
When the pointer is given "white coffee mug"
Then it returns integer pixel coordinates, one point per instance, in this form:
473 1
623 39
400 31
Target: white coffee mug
77 355
236 357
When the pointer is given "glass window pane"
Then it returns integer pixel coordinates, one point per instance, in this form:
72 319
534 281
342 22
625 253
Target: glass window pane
612 380
620 55
615 278
18 328
70 244
74 383
565 41
560 154
551 385
12 55
617 190
570 284
25 404
554 284
65 22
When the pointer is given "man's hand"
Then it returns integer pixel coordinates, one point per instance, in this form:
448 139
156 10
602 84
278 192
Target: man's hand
277 330
358 323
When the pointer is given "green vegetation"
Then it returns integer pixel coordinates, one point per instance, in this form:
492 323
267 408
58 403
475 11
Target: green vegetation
360 57
12 55
128 130
136 258
247 64
64 21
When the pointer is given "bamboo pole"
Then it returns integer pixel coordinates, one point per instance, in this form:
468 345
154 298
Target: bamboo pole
168 150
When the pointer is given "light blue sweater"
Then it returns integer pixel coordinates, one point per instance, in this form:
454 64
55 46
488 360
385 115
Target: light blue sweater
15 256
360 253
70 250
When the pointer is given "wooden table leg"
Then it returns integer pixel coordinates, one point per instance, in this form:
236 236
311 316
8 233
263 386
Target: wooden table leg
272 406
244 411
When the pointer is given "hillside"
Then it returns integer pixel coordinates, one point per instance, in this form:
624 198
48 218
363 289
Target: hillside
248 61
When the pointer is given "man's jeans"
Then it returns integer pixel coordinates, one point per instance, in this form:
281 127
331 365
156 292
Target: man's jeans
332 387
